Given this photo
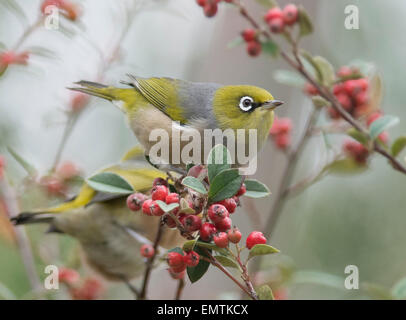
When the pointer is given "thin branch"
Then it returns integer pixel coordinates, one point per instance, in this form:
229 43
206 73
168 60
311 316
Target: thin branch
179 290
150 262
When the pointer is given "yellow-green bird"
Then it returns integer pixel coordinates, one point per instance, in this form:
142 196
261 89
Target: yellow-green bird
156 103
109 233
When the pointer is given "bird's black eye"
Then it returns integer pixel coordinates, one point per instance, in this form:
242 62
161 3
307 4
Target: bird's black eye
246 103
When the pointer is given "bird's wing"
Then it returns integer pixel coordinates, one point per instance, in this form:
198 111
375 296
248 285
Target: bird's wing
162 93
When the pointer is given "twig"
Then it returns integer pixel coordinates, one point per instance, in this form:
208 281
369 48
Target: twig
179 290
28 32
150 262
23 242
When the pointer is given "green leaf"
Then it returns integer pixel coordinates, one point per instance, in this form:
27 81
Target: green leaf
177 249
310 62
270 47
225 185
289 78
110 182
194 184
219 159
305 24
24 163
398 145
256 189
226 262
267 3
357 135
326 70
191 244
235 42
346 166
261 249
167 207
399 289
381 124
265 293
320 102
195 273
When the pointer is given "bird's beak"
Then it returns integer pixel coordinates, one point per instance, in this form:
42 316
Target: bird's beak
271 104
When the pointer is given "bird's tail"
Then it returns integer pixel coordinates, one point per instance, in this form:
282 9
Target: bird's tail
96 89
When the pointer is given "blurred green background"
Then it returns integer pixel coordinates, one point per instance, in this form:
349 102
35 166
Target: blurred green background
342 220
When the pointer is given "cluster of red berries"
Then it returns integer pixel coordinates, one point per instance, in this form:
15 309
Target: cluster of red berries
280 132
68 9
250 37
179 261
2 165
352 94
356 151
57 183
210 7
277 18
88 289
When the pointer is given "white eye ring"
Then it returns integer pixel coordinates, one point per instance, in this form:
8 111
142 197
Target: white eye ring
246 103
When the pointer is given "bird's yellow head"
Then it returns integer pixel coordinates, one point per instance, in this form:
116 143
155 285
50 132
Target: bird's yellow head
244 107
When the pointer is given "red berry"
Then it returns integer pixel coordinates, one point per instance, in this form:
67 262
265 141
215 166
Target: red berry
68 276
210 9
277 25
217 212
151 208
135 201
90 290
282 141
361 98
363 83
207 230
290 14
338 88
344 72
78 101
356 151
344 100
255 237
159 192
234 235
224 224
352 87
241 191
221 240
274 13
191 222
310 89
249 34
172 198
201 3
191 259
160 182
197 171
254 48
384 137
169 221
281 125
176 275
147 251
175 259
146 207
230 204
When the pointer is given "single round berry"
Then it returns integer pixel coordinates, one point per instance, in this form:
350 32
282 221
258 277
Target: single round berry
176 275
221 239
217 212
254 48
255 237
207 230
234 235
159 192
68 276
249 35
272 14
175 259
146 207
230 204
172 198
310 89
147 251
277 25
191 259
210 9
352 87
201 3
160 182
290 14
224 224
135 201
361 98
241 191
191 222
282 141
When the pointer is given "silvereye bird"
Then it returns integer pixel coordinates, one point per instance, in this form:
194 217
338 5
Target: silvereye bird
156 103
109 233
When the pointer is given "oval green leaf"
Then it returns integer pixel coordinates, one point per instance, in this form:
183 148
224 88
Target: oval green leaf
398 145
305 24
265 293
167 207
225 185
256 189
194 184
226 262
261 250
109 182
381 124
